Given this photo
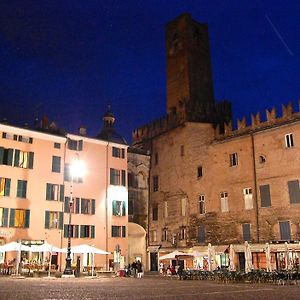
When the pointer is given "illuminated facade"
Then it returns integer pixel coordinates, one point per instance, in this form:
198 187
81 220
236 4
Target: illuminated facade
35 188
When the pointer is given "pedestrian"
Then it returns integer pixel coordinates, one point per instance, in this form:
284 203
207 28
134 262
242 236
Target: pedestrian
161 268
133 266
139 268
180 272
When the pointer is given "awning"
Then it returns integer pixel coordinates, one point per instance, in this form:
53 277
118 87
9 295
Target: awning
221 249
153 248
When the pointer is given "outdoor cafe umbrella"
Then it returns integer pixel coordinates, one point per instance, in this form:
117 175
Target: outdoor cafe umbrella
248 258
84 248
174 255
211 257
268 258
287 256
231 258
14 246
46 248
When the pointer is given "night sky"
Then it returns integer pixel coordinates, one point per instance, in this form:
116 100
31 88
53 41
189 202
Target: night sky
70 59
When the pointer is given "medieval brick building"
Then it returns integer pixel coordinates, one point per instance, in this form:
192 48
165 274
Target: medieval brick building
208 182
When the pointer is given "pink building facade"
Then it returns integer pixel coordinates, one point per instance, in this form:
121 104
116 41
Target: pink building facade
36 187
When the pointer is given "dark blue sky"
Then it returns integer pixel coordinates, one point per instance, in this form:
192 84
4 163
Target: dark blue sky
69 59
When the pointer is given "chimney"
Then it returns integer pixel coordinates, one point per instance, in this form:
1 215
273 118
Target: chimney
82 131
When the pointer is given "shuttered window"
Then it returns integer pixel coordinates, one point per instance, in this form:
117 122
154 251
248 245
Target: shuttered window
19 218
246 232
55 192
294 191
21 188
265 195
201 234
5 186
6 156
285 231
56 164
3 217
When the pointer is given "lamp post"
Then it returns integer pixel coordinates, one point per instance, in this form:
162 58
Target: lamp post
77 169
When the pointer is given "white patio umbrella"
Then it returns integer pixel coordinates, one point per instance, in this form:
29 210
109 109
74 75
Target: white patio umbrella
174 255
231 258
287 256
46 248
84 248
248 258
210 256
268 258
14 246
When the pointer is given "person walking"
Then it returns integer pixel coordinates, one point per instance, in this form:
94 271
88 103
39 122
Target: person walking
139 268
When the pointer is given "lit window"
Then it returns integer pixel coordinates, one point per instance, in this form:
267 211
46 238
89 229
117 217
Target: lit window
4 186
3 217
118 208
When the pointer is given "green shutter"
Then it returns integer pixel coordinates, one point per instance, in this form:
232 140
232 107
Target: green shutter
80 145
47 219
48 191
24 185
123 153
82 206
67 203
93 206
17 158
12 217
77 205
92 231
123 177
1 155
7 187
123 208
114 207
10 156
123 231
27 218
61 220
76 231
82 231
31 155
62 192
19 188
67 173
65 231
5 217
112 176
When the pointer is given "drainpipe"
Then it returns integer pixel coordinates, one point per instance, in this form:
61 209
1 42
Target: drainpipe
106 208
255 188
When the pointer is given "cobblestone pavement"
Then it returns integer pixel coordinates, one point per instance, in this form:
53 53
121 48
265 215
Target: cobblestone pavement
131 288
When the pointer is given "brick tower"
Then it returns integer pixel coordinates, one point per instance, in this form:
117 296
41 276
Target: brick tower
189 76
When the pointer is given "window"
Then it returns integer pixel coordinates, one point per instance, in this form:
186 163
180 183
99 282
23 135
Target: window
246 232
294 191
115 177
155 183
72 230
53 219
289 141
6 156
165 209
87 231
285 230
201 234
68 177
182 233
156 158
182 150
233 159
164 234
153 235
265 195
118 208
75 145
88 206
19 218
15 137
3 217
5 186
56 164
23 159
118 152
202 204
57 145
199 172
54 192
21 188
74 206
118 231
224 202
183 207
247 192
155 213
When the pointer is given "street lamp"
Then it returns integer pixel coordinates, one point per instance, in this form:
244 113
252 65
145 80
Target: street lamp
77 169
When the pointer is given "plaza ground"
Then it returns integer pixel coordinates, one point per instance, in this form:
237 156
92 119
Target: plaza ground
149 287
